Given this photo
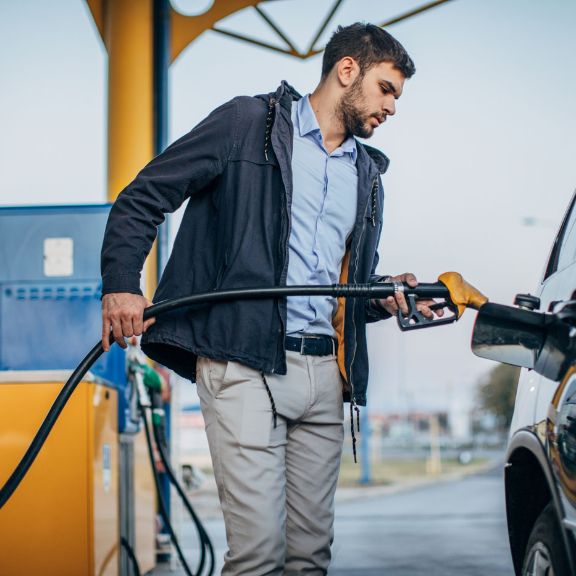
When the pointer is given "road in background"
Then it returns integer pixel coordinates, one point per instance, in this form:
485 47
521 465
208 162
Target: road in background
452 528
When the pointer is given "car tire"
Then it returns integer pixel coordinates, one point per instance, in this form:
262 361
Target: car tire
545 553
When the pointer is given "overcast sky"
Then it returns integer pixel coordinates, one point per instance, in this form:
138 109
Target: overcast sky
483 138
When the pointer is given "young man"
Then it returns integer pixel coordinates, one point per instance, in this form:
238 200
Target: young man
279 193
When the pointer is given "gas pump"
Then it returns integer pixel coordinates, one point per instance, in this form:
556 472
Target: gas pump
78 502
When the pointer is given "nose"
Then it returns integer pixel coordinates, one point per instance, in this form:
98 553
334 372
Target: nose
390 106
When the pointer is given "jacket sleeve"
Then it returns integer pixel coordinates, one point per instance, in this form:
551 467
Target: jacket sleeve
374 311
185 167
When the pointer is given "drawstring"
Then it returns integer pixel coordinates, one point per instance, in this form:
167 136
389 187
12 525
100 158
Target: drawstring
274 414
373 206
269 121
354 407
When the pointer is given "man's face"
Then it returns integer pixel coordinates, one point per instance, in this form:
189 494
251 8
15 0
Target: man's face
370 99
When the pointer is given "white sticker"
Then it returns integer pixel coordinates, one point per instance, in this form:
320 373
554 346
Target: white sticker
58 257
106 467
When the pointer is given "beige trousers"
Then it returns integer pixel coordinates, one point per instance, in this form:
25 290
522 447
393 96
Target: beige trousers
276 484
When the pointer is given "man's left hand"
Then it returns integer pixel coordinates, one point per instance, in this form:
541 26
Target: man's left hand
393 303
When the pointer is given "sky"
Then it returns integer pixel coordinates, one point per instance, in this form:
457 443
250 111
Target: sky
482 143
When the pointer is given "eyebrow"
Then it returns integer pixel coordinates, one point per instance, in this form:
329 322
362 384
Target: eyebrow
390 87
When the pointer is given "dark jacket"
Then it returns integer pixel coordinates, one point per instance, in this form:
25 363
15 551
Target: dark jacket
234 169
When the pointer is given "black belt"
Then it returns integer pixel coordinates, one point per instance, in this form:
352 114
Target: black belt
312 345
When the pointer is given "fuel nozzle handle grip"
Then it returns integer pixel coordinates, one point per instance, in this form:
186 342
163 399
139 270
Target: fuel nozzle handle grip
456 292
462 294
451 286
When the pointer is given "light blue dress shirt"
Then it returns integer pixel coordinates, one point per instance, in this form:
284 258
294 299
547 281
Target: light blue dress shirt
325 188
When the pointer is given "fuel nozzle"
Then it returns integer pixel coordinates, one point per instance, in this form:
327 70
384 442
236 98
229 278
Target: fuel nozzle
462 294
456 295
152 380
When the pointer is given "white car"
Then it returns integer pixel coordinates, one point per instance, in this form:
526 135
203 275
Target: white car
539 334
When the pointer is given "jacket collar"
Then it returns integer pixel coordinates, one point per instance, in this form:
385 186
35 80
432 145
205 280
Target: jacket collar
379 159
285 94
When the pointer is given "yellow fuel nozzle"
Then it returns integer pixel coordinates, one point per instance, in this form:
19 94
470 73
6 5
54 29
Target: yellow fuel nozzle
462 294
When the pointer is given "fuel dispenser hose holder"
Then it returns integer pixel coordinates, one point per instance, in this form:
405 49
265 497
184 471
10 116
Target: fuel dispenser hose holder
457 294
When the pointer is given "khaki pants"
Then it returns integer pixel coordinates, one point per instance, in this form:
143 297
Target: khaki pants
276 485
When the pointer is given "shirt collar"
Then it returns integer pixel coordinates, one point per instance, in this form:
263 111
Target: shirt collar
307 124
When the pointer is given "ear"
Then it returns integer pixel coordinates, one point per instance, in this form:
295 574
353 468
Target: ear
347 71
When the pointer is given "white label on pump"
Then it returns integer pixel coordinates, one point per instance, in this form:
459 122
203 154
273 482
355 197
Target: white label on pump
106 466
58 257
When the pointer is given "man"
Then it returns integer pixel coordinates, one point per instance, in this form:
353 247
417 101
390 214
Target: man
279 193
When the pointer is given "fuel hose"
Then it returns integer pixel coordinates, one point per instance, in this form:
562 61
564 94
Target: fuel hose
151 403
161 504
373 291
205 542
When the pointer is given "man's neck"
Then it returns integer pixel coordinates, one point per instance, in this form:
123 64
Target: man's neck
325 106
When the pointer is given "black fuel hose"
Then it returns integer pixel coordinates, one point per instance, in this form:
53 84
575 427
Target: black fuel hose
124 543
205 542
379 290
161 504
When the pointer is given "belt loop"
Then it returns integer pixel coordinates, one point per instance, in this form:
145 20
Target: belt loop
302 342
333 347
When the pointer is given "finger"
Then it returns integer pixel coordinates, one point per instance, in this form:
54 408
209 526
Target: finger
137 324
426 312
127 327
149 321
410 279
390 305
436 307
118 334
401 302
105 333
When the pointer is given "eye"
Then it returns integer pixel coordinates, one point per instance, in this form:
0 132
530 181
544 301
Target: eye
385 89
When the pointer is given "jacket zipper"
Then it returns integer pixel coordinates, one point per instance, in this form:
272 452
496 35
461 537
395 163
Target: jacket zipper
284 241
372 200
353 405
284 251
373 194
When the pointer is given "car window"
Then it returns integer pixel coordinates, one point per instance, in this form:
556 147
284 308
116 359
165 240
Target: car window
568 247
564 249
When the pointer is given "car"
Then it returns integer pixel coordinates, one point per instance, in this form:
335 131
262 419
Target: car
539 334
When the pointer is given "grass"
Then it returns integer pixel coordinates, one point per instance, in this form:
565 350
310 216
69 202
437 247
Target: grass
395 471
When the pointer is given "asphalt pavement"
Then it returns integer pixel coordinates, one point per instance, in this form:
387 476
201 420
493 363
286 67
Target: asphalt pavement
453 527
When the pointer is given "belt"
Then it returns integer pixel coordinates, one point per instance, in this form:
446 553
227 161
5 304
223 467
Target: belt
313 345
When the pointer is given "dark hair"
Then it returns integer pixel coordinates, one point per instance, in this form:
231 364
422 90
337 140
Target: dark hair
368 45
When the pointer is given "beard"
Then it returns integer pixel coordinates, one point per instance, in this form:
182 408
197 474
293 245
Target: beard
352 112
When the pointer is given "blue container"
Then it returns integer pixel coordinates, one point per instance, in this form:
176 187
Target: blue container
50 290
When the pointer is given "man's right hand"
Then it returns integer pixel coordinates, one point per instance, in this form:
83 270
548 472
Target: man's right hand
122 313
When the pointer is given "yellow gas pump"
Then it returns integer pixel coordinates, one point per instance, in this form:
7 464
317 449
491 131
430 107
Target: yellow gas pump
64 520
78 500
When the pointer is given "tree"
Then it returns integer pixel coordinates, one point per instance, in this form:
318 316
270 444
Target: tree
497 392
